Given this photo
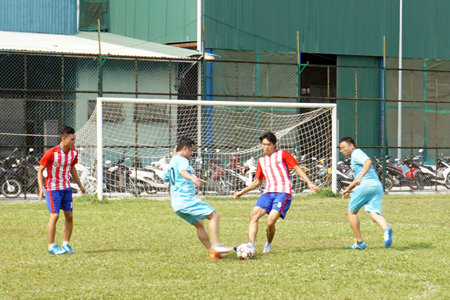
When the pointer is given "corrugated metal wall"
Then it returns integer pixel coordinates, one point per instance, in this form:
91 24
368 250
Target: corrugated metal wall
45 16
345 27
360 119
155 20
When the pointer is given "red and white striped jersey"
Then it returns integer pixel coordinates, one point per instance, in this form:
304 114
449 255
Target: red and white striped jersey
275 170
58 164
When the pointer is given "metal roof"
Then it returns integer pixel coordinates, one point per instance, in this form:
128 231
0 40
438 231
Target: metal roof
87 43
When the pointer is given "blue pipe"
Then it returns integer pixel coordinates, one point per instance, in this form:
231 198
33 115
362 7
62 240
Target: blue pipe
209 109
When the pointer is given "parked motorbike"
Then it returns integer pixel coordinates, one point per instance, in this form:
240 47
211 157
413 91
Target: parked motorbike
344 174
378 165
232 177
406 174
88 181
119 179
151 176
10 184
438 174
26 172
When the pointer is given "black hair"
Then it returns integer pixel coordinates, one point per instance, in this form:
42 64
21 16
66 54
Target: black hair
184 141
268 136
348 140
66 131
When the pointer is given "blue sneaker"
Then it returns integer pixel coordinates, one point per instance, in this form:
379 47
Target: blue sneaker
358 246
68 249
56 250
388 237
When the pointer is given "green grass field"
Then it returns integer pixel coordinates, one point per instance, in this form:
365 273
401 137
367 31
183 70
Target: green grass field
139 249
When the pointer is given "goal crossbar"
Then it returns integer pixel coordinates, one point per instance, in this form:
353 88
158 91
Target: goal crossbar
199 103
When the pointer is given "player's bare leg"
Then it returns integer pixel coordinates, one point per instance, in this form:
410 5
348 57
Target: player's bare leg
354 225
255 215
201 234
379 219
274 215
68 225
271 220
51 228
214 227
216 248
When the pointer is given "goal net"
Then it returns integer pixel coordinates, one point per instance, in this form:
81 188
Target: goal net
136 138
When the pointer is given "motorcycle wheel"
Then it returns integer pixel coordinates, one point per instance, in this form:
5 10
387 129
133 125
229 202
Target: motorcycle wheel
447 182
416 184
90 187
149 189
133 189
13 189
217 185
389 183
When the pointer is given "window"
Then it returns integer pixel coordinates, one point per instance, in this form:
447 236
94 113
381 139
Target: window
112 112
151 113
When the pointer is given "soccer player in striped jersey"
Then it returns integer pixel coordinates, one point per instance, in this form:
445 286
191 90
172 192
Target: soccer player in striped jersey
274 168
60 163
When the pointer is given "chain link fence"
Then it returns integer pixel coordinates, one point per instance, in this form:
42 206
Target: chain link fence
41 92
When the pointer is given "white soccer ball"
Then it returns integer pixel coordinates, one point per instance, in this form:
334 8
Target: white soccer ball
245 251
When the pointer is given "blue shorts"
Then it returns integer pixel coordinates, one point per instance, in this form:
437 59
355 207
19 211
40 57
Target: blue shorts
198 211
61 199
278 201
370 196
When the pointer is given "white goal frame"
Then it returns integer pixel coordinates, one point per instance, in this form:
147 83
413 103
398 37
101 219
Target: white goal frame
200 103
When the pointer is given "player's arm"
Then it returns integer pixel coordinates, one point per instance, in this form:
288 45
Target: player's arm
356 182
196 180
73 172
293 164
40 179
166 176
305 177
257 182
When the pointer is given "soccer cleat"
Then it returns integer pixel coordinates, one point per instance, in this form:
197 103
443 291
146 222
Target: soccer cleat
56 250
215 256
267 247
68 249
358 246
219 248
388 237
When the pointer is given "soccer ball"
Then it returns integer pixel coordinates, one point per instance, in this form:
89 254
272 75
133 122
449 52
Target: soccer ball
245 251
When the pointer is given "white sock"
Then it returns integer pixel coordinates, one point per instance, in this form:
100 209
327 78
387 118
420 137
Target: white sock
267 247
65 243
50 246
251 244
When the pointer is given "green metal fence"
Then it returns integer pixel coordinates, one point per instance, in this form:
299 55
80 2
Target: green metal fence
41 92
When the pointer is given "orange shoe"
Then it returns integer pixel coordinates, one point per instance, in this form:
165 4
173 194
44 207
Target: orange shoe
219 248
215 256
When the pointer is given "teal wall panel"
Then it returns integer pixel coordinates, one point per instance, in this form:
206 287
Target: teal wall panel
343 27
359 119
173 21
43 16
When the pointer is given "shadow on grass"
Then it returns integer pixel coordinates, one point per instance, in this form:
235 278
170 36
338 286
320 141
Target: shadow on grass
416 246
320 249
116 250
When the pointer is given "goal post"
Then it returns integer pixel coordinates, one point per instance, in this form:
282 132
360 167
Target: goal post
217 124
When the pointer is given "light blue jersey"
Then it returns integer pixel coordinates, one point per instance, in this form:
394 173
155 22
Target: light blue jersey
358 159
182 190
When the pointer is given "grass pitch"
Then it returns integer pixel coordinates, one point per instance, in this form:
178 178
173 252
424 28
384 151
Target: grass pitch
139 249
